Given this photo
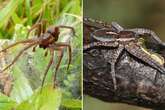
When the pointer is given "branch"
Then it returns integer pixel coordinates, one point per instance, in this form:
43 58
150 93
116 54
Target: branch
137 83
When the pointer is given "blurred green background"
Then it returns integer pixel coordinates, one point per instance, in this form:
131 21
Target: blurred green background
129 14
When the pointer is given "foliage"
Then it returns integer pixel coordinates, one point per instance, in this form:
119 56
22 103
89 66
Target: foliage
16 18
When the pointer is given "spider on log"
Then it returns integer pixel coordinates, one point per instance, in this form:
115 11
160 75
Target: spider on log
115 36
46 39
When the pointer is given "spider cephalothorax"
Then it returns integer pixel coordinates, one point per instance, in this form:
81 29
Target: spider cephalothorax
49 37
46 39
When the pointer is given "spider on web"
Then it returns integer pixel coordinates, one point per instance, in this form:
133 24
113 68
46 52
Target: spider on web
46 39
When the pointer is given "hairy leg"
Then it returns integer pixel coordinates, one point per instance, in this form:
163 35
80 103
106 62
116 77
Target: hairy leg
19 42
19 54
113 62
116 27
46 53
68 27
60 55
34 48
49 64
35 26
114 57
45 22
97 24
63 45
152 36
41 28
138 52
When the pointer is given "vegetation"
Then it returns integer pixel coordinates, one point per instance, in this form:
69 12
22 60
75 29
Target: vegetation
16 18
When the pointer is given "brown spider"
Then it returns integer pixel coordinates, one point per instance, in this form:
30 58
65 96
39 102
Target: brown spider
46 39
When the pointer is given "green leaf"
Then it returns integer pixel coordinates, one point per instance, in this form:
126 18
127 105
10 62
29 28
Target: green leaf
6 12
6 103
28 12
47 99
72 103
24 106
15 18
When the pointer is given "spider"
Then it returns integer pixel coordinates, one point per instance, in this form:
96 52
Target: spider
46 39
149 34
128 40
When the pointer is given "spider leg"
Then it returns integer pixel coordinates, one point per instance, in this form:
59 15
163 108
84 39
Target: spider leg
151 35
41 28
116 27
46 53
110 44
34 48
48 66
139 53
68 27
113 74
44 25
19 42
59 47
114 57
60 55
97 24
19 54
113 61
38 26
69 50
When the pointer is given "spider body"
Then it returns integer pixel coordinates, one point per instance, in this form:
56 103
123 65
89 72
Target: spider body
120 40
54 31
46 39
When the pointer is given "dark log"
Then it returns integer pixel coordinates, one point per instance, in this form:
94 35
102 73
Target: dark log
136 83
